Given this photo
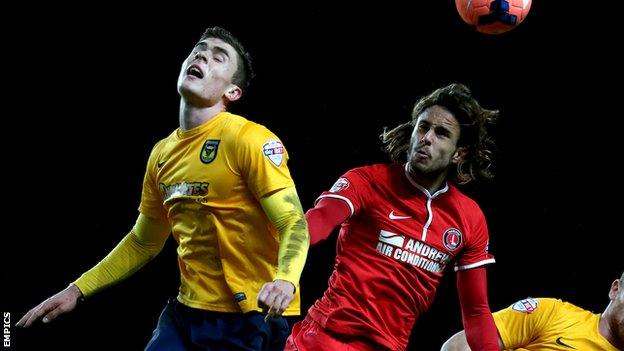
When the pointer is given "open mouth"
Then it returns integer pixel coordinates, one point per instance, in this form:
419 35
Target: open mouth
194 71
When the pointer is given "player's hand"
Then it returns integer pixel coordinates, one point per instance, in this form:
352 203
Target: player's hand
275 296
63 302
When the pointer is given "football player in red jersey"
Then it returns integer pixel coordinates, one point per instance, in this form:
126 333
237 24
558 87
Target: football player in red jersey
401 225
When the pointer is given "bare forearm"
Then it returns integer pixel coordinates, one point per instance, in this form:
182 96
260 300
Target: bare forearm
456 343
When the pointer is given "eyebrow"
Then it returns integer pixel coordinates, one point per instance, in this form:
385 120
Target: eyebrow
203 46
435 127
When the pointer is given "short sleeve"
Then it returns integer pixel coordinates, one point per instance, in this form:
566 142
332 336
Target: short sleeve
262 160
475 253
352 188
522 322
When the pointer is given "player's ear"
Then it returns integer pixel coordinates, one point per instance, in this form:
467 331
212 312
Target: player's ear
459 155
615 287
233 92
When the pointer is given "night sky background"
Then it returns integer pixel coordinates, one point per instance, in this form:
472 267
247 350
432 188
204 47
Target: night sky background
89 90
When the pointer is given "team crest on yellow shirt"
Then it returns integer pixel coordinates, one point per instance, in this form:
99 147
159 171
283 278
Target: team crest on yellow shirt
274 151
209 150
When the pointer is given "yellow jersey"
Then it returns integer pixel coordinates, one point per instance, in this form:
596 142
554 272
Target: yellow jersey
549 324
207 182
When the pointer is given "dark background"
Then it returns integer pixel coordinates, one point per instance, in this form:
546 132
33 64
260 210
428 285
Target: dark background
89 90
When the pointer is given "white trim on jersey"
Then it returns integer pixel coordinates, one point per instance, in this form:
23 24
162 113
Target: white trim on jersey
429 199
423 237
340 198
474 265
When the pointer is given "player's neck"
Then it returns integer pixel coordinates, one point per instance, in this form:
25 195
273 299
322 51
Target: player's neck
193 116
431 183
607 332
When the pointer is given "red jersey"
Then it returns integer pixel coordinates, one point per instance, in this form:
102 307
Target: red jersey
392 251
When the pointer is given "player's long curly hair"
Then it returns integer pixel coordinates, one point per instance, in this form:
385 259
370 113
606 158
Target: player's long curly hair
473 120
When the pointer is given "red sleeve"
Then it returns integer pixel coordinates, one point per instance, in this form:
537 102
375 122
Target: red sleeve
475 253
352 187
325 216
479 325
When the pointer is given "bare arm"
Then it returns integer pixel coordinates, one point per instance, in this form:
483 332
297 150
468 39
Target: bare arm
62 302
143 242
458 342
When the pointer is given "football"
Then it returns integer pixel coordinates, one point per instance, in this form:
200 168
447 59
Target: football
493 16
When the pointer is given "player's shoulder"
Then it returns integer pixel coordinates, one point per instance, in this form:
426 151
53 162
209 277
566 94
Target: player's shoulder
234 120
377 170
531 305
570 307
241 127
464 201
159 145
233 123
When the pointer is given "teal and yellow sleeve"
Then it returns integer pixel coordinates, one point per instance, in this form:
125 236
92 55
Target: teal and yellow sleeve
143 242
285 212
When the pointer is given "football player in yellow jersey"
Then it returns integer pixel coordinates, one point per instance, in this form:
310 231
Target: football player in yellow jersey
220 185
551 324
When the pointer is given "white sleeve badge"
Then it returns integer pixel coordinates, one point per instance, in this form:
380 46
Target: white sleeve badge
341 184
274 151
528 305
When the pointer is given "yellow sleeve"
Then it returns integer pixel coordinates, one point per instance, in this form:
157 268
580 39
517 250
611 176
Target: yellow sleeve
143 242
521 323
151 197
261 160
284 210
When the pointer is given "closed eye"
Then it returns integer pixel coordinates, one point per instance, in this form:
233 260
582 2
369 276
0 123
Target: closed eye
443 132
219 54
